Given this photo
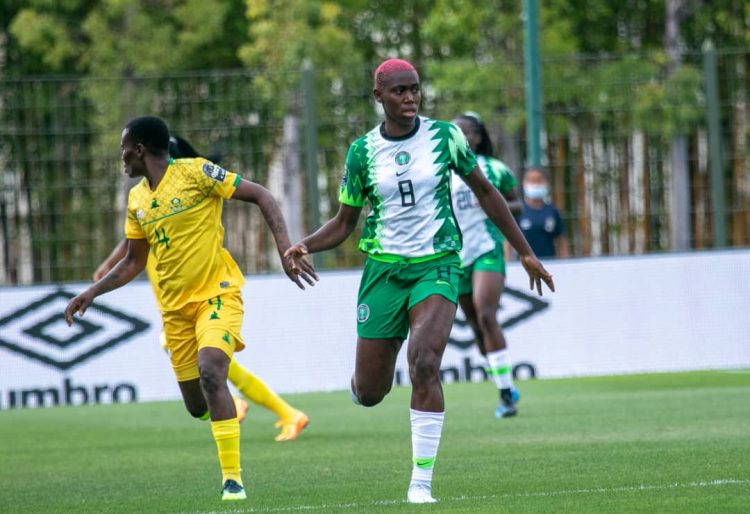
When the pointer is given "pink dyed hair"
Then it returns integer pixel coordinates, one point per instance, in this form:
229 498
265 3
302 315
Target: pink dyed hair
389 66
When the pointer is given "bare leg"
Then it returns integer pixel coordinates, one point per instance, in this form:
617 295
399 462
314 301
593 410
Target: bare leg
487 288
466 301
192 395
373 369
430 323
213 365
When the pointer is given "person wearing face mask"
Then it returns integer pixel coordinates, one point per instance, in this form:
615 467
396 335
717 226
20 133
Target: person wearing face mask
540 221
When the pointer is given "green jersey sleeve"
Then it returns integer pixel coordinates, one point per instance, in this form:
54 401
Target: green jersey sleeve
464 160
501 176
352 189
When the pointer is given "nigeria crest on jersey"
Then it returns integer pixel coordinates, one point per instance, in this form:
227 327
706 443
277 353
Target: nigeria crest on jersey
403 158
363 312
406 180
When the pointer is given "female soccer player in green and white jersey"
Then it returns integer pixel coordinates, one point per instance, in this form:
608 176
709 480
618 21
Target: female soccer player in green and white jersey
409 285
482 283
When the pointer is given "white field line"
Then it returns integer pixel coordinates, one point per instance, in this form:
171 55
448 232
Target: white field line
531 494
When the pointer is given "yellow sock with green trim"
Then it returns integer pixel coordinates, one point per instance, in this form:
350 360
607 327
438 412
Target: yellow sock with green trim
255 390
227 436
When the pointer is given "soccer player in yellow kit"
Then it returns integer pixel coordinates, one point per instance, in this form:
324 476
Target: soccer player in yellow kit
174 217
291 420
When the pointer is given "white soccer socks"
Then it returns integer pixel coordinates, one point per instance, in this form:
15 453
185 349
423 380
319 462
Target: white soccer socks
426 428
500 368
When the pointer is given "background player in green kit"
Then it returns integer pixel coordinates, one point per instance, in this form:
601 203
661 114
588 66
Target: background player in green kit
409 285
483 281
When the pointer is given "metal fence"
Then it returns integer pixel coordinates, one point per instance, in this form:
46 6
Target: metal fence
611 128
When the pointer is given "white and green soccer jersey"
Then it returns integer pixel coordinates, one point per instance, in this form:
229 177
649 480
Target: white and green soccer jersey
479 233
407 181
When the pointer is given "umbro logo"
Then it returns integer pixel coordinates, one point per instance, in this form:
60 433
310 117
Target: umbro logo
39 332
517 307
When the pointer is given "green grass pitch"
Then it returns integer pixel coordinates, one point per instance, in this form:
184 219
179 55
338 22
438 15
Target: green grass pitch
647 443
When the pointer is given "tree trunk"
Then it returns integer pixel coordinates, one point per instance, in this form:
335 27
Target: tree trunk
627 234
285 183
699 179
679 184
639 192
679 194
584 221
740 197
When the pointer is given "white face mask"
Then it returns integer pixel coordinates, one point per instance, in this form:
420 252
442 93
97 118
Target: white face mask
535 191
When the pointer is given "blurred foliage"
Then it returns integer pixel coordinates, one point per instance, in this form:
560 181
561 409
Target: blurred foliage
131 57
455 43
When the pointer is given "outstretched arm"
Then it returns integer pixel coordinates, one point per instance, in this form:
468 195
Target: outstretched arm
255 193
116 256
497 209
330 235
124 271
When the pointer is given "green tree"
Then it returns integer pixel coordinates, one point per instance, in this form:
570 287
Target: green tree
123 45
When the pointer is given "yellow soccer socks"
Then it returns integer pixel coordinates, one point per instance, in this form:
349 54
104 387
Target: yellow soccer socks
227 436
255 390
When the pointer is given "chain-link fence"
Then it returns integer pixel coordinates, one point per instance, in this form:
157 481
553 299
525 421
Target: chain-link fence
618 131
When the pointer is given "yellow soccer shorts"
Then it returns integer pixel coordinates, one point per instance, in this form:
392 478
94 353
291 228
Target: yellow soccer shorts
212 323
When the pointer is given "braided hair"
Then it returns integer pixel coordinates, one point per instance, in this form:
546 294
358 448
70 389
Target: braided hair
485 143
180 148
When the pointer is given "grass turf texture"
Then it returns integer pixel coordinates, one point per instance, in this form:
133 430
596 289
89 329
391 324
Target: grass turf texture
648 443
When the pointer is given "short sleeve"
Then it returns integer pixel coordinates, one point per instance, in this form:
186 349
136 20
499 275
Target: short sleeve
492 169
507 180
352 189
464 160
133 228
215 180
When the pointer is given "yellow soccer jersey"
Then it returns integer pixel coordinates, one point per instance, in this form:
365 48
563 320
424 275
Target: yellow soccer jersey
152 277
181 220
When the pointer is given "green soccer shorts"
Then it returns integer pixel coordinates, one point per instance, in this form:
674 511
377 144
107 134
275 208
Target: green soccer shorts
494 260
388 291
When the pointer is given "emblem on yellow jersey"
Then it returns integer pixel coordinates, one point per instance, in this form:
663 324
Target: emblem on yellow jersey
176 204
214 171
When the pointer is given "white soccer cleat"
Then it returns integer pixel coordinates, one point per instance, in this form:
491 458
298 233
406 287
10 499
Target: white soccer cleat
420 493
